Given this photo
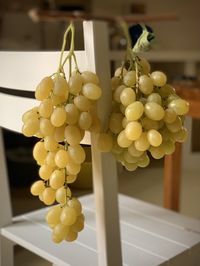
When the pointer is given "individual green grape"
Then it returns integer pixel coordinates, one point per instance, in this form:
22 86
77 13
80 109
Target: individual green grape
72 114
45 171
30 114
117 93
53 215
133 151
68 216
120 71
44 88
154 137
73 168
129 78
61 158
76 153
31 127
59 133
60 87
82 103
170 116
166 91
85 120
50 143
154 111
122 140
76 205
180 106
57 179
37 188
46 127
148 123
157 152
89 77
144 65
45 108
154 97
133 130
127 96
58 117
48 196
39 152
134 111
175 126
75 84
145 84
159 78
71 236
142 144
91 91
73 135
63 194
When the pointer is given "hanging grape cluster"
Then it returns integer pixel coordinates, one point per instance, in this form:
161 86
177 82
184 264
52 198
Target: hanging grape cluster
64 113
147 117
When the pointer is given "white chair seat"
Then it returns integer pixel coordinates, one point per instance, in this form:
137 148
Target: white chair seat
150 236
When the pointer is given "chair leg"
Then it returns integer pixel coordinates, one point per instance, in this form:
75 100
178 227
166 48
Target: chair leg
6 252
172 179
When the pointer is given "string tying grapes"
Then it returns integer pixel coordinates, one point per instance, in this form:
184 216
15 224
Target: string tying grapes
64 113
147 116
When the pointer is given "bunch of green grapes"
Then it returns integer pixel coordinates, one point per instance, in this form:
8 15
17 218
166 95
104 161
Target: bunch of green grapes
64 113
147 116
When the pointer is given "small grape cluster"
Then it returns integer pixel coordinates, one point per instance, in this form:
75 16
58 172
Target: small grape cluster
66 221
147 116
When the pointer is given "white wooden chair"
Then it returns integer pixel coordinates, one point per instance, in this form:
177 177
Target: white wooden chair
145 235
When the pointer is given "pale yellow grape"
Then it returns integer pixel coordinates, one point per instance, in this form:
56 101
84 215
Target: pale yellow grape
37 188
31 127
175 126
166 91
181 135
122 140
120 72
73 168
144 64
129 158
170 116
104 142
144 161
56 239
46 127
50 159
154 111
75 204
40 196
39 152
115 123
115 82
145 84
62 195
57 100
78 225
148 123
125 122
53 215
130 166
76 153
154 137
89 77
172 97
117 93
68 216
129 78
61 87
133 130
59 133
180 106
30 114
127 96
71 236
169 147
58 117
48 196
154 97
72 113
71 178
85 120
157 152
75 84
45 171
73 135
57 179
60 231
142 144
133 151
134 111
91 91
159 78
50 143
82 103
45 108
44 88
61 158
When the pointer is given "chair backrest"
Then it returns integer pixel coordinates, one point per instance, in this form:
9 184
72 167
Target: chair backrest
20 73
